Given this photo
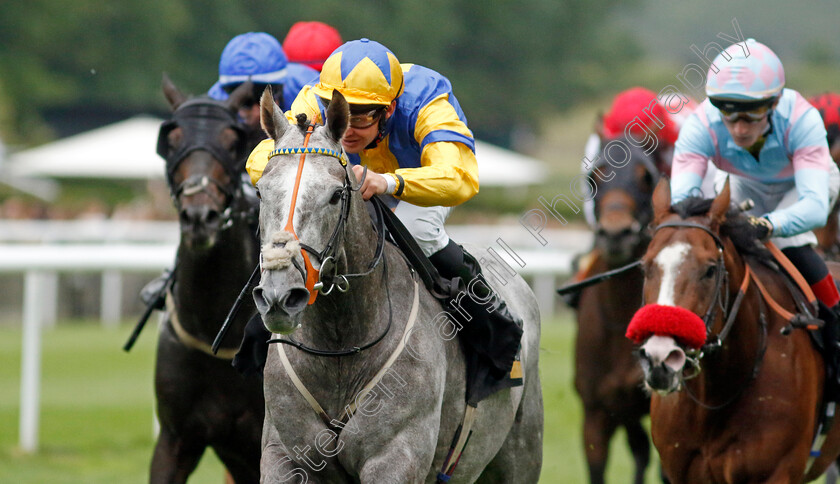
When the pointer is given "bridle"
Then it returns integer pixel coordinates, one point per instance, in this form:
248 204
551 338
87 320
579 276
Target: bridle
643 209
326 278
202 119
715 341
721 281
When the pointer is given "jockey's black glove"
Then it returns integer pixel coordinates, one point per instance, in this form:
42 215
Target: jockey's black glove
762 227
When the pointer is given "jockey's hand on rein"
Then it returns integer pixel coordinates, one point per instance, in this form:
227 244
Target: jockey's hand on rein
374 184
762 227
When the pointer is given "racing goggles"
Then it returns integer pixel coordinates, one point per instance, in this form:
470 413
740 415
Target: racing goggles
751 111
366 120
748 116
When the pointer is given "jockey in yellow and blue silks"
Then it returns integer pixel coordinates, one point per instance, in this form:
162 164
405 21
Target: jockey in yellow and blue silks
421 140
407 128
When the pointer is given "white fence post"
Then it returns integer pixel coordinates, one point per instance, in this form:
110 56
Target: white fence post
49 299
544 289
110 304
31 361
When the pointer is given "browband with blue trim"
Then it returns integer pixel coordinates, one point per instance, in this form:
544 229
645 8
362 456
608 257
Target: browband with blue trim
341 157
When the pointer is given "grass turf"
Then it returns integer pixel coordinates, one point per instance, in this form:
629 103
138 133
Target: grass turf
97 411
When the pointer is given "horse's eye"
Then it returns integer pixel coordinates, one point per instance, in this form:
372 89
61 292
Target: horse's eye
336 196
710 272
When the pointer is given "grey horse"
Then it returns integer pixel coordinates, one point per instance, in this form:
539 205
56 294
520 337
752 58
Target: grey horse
399 430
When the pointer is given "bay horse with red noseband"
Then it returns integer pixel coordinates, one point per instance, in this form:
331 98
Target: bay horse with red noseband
735 399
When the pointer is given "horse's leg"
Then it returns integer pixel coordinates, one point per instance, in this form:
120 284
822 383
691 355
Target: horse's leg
276 465
639 444
174 459
598 429
241 472
520 457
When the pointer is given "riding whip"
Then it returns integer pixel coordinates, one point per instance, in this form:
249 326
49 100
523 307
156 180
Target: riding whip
153 303
591 281
234 309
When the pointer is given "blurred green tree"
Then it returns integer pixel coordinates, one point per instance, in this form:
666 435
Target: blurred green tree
509 61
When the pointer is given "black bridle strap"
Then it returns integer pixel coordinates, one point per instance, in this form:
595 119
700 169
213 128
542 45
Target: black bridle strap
692 225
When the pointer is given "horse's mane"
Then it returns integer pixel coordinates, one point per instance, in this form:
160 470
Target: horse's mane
736 227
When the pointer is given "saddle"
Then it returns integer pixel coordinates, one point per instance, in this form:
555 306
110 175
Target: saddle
482 379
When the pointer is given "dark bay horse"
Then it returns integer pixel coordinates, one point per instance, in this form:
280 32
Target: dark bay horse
201 399
371 386
735 399
607 379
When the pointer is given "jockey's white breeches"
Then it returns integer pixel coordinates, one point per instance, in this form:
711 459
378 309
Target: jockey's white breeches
425 224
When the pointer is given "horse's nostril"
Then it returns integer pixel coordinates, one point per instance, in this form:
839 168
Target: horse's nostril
184 217
212 217
295 300
263 305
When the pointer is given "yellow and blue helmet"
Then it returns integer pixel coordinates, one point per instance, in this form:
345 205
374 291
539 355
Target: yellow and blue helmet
364 71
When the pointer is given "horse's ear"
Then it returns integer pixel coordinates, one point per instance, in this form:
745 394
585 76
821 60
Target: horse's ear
717 212
272 119
173 95
661 200
338 115
239 95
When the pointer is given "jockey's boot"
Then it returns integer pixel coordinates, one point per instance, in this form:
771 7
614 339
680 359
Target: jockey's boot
153 293
487 325
253 351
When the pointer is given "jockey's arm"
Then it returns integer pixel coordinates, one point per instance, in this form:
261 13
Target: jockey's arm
448 172
448 176
811 164
692 151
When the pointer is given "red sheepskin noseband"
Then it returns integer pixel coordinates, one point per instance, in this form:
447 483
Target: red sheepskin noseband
679 323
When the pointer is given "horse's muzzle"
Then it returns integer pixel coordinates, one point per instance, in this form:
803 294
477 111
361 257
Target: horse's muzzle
200 226
662 362
619 244
280 305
